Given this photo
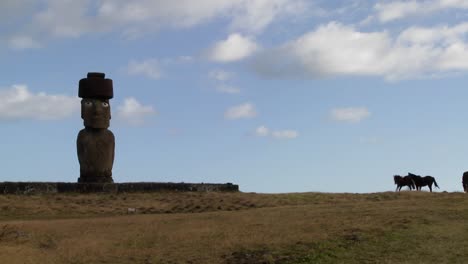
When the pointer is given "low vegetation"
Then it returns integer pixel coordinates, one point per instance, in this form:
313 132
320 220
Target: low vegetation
234 228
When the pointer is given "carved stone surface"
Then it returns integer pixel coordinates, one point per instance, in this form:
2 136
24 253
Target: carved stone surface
34 188
95 154
95 143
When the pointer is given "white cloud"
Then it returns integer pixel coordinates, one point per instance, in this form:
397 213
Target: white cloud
285 134
152 67
332 49
350 114
71 19
66 18
247 15
221 75
441 35
246 110
20 42
389 11
335 49
235 47
177 60
395 10
255 15
10 9
149 68
133 112
17 102
227 89
263 131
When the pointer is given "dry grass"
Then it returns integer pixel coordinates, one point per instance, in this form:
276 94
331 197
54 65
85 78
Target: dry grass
235 228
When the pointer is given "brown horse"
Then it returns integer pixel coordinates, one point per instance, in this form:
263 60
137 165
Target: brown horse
423 181
403 181
465 181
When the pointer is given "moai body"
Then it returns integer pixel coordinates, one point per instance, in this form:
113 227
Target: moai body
95 143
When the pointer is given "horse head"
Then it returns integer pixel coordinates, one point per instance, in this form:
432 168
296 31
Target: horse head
397 178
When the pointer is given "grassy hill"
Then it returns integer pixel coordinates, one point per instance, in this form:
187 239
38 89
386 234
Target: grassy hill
232 228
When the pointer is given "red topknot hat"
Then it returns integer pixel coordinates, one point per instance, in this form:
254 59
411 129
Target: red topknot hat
96 86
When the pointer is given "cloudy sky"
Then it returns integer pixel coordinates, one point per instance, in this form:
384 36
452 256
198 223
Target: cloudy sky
274 95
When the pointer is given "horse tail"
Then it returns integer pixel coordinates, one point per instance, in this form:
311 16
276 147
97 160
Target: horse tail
435 183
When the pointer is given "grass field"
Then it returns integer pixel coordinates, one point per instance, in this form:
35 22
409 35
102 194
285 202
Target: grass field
406 227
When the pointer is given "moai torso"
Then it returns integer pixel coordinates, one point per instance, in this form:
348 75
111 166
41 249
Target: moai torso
96 154
95 143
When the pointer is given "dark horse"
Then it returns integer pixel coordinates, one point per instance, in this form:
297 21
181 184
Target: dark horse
403 181
465 181
423 181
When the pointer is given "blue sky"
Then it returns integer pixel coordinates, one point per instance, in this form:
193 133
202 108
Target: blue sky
273 95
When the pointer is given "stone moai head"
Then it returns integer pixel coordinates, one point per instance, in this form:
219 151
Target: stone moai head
95 143
96 92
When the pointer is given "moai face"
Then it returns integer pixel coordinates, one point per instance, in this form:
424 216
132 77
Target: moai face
96 113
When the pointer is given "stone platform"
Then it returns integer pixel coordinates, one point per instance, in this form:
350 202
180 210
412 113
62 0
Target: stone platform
125 187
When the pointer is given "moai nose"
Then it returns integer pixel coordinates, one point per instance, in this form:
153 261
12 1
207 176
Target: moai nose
97 107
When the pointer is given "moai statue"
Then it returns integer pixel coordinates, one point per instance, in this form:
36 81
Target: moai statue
95 143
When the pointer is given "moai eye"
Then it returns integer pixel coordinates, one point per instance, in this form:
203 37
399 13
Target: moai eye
105 104
88 103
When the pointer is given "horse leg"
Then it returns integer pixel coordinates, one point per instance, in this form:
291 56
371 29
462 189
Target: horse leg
430 187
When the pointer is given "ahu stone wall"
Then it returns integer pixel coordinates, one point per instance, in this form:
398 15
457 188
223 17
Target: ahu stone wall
126 187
